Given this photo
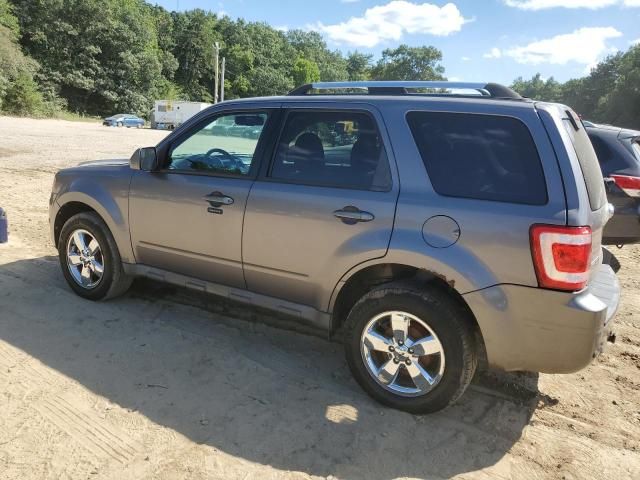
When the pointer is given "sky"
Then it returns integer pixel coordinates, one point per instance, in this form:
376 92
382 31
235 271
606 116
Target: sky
481 40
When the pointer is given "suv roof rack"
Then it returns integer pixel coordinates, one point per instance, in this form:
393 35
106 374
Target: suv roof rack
422 88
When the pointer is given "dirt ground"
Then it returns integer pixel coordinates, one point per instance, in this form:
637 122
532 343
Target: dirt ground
162 384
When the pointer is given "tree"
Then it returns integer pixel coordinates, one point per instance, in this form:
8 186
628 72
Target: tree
359 66
537 88
100 55
409 63
305 71
268 81
19 94
621 106
8 19
22 96
311 46
195 36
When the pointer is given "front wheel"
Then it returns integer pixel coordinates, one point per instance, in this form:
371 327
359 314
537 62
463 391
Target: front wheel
410 349
89 258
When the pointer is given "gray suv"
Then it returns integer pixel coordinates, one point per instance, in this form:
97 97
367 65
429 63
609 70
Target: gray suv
437 225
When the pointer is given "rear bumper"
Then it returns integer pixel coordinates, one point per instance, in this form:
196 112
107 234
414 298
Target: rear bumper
540 330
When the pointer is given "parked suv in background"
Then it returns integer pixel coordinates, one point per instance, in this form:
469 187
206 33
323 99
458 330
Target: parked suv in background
618 151
434 223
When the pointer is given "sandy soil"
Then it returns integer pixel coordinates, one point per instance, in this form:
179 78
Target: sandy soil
164 384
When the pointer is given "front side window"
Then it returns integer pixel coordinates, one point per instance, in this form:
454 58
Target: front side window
225 146
485 157
335 149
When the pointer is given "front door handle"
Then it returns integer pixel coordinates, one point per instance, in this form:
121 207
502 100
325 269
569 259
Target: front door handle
352 215
217 199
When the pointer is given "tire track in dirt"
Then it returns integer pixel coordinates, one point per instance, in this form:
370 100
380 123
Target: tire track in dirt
29 378
88 429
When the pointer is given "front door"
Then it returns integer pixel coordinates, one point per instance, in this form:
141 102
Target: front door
326 204
187 217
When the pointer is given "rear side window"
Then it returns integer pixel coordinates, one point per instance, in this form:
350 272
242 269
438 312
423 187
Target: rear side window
603 151
636 148
486 157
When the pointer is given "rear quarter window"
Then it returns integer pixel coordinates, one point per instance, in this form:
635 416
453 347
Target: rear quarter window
586 158
484 157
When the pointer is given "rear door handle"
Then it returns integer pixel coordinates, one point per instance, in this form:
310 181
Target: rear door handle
351 215
217 199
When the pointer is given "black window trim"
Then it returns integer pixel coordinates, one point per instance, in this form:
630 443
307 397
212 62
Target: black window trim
265 171
272 113
503 202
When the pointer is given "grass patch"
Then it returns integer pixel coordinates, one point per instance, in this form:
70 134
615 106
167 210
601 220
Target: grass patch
75 117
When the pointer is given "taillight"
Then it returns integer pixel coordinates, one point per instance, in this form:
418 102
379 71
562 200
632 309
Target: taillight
630 185
561 256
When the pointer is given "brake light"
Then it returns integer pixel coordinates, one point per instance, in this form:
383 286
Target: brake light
630 185
561 256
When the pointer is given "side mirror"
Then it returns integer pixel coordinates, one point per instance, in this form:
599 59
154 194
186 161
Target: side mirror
145 159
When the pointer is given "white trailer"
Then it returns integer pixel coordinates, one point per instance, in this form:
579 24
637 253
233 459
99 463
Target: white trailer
170 114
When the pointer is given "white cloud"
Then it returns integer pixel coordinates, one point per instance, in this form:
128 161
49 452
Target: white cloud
493 53
591 4
635 42
466 59
584 46
392 21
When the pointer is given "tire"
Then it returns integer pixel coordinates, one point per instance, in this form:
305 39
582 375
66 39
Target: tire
433 314
113 281
119 124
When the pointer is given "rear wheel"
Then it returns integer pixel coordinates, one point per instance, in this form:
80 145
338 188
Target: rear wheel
89 258
410 349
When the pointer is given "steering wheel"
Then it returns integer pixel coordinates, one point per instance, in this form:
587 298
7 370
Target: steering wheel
220 151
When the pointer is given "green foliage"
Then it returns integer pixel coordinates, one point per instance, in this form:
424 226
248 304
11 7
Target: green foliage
19 93
98 57
194 38
22 97
8 19
358 66
537 88
305 71
609 94
409 63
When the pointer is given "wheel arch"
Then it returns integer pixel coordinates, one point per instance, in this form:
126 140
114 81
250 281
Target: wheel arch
74 202
350 290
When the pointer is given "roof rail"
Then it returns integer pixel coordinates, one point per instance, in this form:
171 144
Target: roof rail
423 88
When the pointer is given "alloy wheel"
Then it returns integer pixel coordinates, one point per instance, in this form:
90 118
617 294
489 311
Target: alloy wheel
85 259
402 353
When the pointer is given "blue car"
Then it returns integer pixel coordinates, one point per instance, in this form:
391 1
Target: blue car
123 120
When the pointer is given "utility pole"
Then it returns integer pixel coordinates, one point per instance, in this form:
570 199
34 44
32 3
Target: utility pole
216 50
222 80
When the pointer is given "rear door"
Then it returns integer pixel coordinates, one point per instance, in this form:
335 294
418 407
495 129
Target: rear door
325 203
